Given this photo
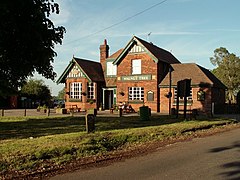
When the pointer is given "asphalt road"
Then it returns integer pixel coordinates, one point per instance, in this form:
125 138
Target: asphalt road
213 157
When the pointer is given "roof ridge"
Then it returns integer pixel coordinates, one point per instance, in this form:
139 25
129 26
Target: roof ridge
81 59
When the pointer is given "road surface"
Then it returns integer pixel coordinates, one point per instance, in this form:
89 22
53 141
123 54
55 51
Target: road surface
213 157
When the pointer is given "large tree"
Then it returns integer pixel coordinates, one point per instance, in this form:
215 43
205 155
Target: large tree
27 40
227 70
36 90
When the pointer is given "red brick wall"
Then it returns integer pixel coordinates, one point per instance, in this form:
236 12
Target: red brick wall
84 105
148 67
104 53
204 107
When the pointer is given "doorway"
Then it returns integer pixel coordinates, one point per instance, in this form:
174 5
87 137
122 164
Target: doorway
109 98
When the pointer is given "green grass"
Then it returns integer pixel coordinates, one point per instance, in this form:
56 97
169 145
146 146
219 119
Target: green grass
33 143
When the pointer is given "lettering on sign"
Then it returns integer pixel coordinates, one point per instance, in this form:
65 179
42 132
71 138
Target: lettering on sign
137 78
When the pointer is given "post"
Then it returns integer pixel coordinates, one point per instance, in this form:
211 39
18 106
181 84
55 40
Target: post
25 112
2 112
170 89
90 122
120 112
48 111
212 109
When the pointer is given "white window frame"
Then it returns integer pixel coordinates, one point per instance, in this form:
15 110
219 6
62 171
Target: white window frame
175 95
136 93
111 69
136 66
76 90
91 90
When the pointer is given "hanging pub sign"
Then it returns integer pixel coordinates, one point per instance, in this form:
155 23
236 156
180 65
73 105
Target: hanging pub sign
200 95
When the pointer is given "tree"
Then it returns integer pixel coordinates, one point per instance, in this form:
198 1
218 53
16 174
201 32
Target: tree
228 68
61 94
27 40
36 90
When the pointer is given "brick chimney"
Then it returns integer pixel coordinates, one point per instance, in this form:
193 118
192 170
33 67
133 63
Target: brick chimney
104 53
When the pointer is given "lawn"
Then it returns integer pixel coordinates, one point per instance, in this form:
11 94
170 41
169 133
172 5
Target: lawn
30 144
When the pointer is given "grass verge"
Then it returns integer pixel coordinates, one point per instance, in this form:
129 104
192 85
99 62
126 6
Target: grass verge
41 144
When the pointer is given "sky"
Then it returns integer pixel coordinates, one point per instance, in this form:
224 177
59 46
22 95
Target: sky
190 29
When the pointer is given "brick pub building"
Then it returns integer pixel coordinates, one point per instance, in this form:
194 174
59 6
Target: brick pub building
138 74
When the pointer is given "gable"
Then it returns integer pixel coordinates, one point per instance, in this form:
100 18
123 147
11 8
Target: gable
137 49
82 68
137 45
75 72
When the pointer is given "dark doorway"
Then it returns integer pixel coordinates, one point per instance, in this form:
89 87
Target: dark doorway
108 99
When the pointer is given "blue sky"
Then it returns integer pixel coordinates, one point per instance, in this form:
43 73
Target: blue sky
190 29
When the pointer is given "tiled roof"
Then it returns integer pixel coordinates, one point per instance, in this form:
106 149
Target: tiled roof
116 54
159 53
196 73
92 69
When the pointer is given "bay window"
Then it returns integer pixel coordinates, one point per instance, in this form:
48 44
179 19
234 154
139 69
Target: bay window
76 90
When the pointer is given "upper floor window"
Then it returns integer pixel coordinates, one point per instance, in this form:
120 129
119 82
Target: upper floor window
136 66
91 91
76 90
111 69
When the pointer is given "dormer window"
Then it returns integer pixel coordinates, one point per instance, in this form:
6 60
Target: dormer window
136 66
111 69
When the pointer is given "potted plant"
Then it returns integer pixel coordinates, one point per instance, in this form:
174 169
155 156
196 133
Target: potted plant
91 101
84 93
121 93
44 108
38 108
100 107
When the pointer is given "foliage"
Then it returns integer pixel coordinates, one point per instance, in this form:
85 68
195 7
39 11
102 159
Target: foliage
27 40
228 68
61 94
37 90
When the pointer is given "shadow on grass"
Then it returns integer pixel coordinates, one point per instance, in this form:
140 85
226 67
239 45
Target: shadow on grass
36 127
232 168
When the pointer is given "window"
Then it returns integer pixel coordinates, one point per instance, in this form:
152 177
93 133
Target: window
91 90
175 95
76 90
136 66
136 93
111 69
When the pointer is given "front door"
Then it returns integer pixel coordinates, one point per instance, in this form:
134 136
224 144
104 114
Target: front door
108 99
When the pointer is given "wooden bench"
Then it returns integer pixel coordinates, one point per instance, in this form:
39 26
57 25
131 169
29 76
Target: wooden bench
74 108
